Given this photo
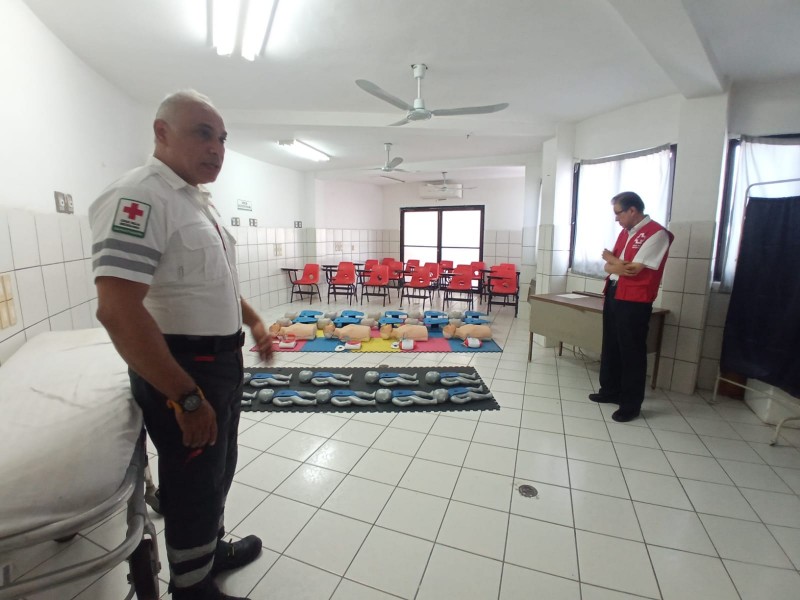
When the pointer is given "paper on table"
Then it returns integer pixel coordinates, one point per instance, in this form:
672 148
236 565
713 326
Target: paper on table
571 296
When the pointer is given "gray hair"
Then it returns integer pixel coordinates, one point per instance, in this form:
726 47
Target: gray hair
170 105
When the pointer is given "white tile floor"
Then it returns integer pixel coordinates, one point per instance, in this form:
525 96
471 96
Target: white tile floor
687 502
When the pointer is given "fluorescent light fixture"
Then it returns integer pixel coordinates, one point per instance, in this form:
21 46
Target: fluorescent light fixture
249 35
303 150
225 25
260 15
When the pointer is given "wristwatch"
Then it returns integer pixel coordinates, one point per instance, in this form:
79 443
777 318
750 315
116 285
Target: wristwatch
188 402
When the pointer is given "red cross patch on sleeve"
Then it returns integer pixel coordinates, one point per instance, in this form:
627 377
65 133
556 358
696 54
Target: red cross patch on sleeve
131 217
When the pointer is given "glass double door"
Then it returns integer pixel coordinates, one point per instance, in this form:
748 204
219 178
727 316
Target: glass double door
434 234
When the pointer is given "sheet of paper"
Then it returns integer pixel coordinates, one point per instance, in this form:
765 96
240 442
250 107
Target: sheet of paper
571 296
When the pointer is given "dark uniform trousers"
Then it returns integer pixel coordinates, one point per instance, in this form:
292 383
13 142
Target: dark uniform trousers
623 362
194 483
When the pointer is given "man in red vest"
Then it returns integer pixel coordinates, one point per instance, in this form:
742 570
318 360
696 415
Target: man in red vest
634 268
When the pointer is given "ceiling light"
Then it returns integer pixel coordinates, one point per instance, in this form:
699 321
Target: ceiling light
230 33
224 25
303 150
260 14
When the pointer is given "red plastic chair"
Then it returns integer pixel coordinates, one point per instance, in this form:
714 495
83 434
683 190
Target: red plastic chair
396 277
343 282
459 288
503 290
309 280
377 283
422 284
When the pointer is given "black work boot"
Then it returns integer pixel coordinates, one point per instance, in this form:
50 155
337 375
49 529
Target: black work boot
233 555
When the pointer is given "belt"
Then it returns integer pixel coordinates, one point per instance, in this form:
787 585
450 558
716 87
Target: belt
204 344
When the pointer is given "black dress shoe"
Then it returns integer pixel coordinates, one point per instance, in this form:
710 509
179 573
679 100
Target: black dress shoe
233 555
604 398
623 416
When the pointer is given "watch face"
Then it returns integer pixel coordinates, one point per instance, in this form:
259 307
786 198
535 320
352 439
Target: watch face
191 402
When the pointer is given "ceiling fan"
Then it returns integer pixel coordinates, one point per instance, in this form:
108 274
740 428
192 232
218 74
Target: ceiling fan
417 111
444 186
390 164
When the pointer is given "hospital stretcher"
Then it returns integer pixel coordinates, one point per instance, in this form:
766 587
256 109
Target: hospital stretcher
71 455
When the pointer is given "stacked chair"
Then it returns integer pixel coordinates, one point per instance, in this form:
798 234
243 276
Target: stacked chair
396 274
307 284
503 287
343 282
376 283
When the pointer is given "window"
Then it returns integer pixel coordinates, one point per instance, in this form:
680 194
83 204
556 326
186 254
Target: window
752 161
433 234
648 173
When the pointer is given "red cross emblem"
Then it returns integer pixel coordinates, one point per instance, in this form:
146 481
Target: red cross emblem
133 211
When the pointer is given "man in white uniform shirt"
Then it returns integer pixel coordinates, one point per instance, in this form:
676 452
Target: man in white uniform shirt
168 294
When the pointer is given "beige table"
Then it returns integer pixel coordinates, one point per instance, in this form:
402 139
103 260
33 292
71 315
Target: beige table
579 322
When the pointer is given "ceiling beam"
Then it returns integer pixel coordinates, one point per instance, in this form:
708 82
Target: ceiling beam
665 29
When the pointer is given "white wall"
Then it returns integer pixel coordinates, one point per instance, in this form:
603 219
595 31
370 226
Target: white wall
765 108
503 198
636 127
65 128
341 204
275 193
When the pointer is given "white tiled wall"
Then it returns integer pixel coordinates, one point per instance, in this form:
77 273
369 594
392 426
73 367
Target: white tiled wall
48 259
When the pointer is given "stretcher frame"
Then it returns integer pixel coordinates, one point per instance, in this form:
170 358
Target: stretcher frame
139 546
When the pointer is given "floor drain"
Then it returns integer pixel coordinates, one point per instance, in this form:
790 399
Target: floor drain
528 491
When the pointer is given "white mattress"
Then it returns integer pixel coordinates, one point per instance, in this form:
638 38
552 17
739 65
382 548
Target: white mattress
68 427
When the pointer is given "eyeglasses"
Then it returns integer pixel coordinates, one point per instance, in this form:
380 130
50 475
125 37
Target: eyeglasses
619 212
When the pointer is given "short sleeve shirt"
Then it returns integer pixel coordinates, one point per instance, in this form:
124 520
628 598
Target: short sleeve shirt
154 228
652 251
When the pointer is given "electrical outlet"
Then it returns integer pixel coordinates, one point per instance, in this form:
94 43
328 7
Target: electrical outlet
278 250
235 221
253 222
61 202
352 247
70 204
338 247
298 224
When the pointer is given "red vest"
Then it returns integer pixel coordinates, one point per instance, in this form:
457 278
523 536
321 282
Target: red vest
642 287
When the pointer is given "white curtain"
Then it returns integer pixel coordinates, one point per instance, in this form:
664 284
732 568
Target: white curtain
646 173
757 160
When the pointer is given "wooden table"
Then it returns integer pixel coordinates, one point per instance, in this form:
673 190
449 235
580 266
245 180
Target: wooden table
579 321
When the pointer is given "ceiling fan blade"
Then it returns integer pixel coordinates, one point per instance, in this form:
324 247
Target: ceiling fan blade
403 122
470 110
395 162
373 89
392 178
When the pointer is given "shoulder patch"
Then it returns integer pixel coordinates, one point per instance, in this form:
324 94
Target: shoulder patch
131 217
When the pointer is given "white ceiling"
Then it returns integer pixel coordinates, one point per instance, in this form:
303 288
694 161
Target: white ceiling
552 60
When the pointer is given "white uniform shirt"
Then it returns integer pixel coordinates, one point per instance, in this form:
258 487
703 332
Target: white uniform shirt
652 251
152 227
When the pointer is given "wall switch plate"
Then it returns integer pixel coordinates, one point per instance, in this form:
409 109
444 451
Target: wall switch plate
278 250
61 202
298 224
253 222
235 221
338 247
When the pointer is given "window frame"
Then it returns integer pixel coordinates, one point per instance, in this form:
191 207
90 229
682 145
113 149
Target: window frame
439 210
673 149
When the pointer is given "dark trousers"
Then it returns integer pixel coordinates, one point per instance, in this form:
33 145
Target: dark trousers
623 363
194 483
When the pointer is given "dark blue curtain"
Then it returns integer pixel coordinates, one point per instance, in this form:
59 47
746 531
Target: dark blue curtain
762 330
